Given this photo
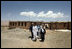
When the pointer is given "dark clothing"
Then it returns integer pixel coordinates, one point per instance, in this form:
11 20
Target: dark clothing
43 32
31 31
43 35
30 28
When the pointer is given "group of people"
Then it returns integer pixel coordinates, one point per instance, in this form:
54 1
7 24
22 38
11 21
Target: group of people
37 32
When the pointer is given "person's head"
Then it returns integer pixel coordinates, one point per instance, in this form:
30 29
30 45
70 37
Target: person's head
32 23
43 26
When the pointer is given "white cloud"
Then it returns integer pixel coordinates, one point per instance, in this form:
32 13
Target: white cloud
31 13
54 15
41 14
50 14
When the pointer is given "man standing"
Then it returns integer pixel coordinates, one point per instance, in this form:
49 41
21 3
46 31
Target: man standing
31 30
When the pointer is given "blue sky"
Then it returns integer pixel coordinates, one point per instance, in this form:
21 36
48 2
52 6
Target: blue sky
36 10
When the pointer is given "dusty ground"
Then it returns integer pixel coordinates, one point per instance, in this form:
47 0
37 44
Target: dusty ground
18 38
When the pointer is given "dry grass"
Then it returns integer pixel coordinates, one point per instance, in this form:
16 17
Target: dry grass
18 38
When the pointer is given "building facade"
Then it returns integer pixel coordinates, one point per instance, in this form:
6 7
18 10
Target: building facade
48 25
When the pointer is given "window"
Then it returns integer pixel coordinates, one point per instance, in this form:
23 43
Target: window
18 23
25 23
13 23
10 24
21 23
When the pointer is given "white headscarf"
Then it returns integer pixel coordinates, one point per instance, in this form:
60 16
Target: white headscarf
42 29
35 30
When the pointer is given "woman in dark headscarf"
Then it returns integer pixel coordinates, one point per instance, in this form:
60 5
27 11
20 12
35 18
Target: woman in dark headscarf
42 33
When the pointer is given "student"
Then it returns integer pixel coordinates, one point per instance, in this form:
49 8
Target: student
42 33
35 30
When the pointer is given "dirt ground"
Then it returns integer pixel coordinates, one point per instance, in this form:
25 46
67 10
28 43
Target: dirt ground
18 38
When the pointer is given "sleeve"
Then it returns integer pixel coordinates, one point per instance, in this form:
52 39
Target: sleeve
44 31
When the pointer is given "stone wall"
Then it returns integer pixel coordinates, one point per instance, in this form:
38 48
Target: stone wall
61 25
51 25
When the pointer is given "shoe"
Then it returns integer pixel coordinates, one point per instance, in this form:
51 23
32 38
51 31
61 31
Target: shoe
29 37
34 40
41 41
